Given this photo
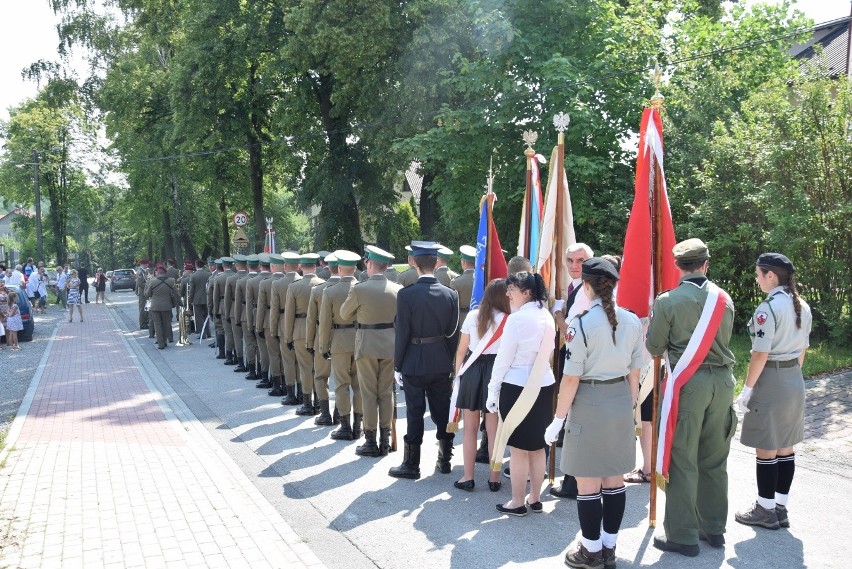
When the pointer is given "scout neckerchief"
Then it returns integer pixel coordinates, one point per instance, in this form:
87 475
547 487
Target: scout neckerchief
483 344
694 355
528 396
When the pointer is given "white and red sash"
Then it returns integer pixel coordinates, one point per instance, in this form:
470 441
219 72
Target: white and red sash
491 336
694 355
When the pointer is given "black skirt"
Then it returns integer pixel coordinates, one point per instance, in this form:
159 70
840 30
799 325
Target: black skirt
529 435
473 388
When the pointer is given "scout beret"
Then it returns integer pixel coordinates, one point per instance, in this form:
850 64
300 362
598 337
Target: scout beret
776 261
599 267
291 257
445 252
309 259
467 253
346 258
331 259
253 260
377 254
420 248
691 250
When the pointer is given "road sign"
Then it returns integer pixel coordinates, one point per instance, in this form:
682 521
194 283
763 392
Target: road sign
240 218
241 239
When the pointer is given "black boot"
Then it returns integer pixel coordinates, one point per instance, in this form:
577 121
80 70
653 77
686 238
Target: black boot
344 431
316 403
384 442
445 453
356 426
335 418
231 360
307 406
290 398
410 467
568 488
220 343
324 418
265 381
482 451
252 374
212 344
369 448
241 366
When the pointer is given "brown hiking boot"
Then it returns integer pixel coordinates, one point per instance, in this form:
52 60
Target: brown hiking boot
781 512
758 516
582 558
608 555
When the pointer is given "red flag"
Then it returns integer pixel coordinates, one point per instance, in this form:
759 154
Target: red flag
496 267
637 269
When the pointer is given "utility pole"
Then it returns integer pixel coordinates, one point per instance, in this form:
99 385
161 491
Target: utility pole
39 241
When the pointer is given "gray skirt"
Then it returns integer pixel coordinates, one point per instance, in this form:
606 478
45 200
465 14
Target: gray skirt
600 437
776 416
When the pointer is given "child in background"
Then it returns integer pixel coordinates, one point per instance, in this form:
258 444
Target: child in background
13 321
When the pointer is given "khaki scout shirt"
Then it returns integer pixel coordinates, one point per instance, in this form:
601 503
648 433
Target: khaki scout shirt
373 302
296 311
336 340
591 353
773 327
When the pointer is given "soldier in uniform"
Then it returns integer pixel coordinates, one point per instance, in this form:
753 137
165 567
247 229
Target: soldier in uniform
463 284
373 305
198 292
213 285
337 342
427 319
295 328
164 296
697 489
323 270
234 311
221 307
249 289
277 318
409 275
268 342
171 270
442 271
322 366
141 283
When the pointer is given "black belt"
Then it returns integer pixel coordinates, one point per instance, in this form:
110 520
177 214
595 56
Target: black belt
603 381
782 364
374 326
254 304
221 297
342 326
464 308
280 311
243 302
301 315
429 340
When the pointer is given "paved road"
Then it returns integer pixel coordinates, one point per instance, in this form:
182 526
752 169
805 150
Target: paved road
351 514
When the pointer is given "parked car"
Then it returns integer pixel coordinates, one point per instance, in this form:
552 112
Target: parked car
25 335
122 279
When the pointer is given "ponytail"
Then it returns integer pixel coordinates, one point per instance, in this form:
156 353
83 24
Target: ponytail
531 282
797 302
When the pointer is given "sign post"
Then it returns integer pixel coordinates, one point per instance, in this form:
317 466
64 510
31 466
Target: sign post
241 241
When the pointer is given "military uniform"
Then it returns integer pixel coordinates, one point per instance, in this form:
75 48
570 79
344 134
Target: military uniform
249 310
463 283
270 355
199 296
221 308
164 297
373 304
407 277
277 317
322 366
234 308
697 490
444 275
295 324
323 272
141 283
337 341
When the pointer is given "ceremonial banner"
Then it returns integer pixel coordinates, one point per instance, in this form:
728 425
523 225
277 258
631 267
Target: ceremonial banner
490 262
532 214
557 230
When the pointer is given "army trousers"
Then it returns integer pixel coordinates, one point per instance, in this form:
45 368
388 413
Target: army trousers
305 361
697 491
143 314
288 358
229 334
199 314
273 354
250 339
375 376
237 330
162 322
346 376
322 369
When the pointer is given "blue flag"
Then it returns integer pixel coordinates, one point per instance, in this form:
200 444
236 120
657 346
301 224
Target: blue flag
479 277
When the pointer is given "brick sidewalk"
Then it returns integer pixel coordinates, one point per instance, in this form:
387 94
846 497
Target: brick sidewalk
103 473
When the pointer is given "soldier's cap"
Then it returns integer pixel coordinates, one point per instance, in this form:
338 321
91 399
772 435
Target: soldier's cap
420 248
599 267
331 259
160 267
253 260
170 261
408 248
291 257
467 253
144 262
309 259
776 261
444 252
229 260
377 254
240 259
263 258
346 258
323 254
217 262
691 250
276 259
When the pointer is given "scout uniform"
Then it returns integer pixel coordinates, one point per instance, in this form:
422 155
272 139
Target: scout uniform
408 276
443 273
373 304
463 283
221 307
698 479
277 307
164 296
270 367
337 342
233 311
322 366
255 263
295 322
141 282
199 297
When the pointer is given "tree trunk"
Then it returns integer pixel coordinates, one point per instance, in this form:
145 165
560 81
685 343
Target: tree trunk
428 208
256 167
226 235
168 242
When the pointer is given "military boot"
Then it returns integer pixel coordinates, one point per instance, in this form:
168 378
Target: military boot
369 448
335 418
290 398
384 442
410 467
241 366
445 453
220 343
344 431
324 418
307 406
252 374
231 360
356 426
317 407
265 381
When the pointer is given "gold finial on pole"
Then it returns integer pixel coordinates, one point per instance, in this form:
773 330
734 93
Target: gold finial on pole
657 100
530 137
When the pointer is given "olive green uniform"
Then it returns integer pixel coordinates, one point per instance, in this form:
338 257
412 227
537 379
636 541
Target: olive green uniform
407 277
237 286
445 276
337 337
199 297
164 296
463 284
226 293
277 317
322 366
295 327
263 327
141 283
697 491
373 304
249 315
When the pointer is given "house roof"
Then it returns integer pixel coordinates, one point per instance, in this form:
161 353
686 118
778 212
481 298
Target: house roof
16 212
832 38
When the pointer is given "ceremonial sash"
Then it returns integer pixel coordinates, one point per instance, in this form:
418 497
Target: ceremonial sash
694 355
483 344
525 401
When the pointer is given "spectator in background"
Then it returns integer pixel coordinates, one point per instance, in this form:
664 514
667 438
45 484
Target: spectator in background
83 275
37 290
29 268
61 293
17 277
72 285
100 285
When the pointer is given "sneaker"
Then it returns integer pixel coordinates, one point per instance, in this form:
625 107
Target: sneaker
582 558
781 512
758 516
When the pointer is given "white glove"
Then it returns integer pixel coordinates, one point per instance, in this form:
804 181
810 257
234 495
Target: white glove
493 402
551 433
743 399
397 376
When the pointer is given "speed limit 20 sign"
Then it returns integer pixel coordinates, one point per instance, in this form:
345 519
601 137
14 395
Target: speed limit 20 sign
240 218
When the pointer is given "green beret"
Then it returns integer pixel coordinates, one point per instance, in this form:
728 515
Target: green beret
691 251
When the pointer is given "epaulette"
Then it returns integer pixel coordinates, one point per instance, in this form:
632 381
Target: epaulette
583 313
663 292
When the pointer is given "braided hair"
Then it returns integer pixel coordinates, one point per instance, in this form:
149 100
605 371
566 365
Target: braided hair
788 281
531 282
602 287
